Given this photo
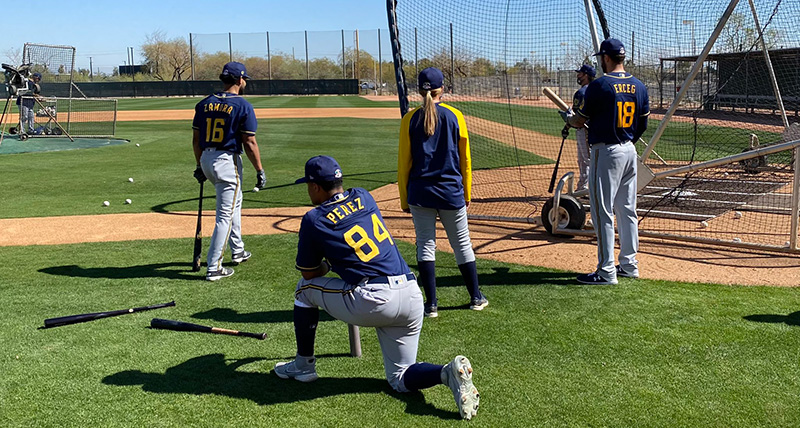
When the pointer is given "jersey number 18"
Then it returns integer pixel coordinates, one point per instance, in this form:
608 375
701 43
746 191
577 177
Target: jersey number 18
625 112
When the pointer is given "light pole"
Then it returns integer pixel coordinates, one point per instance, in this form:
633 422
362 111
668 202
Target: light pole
566 52
533 71
690 22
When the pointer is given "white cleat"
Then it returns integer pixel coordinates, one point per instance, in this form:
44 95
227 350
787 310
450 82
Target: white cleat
457 375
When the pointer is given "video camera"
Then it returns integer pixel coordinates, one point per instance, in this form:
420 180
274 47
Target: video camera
16 79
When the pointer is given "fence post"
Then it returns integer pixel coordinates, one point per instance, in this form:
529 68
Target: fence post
452 62
191 55
344 67
416 53
269 58
230 48
308 76
380 64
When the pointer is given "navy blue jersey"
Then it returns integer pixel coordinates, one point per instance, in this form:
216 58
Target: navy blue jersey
434 171
578 98
27 100
350 233
614 105
221 118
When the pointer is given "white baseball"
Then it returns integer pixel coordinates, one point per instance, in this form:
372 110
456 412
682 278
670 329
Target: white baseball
256 189
737 240
787 244
137 144
106 203
737 214
704 224
131 179
128 201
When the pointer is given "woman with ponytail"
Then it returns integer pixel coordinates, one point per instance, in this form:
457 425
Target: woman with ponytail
434 175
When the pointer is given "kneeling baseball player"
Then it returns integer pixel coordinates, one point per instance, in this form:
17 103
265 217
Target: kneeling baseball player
345 233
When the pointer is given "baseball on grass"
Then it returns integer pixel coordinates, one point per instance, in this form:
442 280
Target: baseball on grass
256 189
131 179
737 214
137 144
127 201
704 224
106 203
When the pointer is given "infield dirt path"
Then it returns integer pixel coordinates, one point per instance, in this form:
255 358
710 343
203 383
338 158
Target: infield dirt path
507 242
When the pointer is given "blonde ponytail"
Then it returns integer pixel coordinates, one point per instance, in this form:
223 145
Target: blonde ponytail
429 109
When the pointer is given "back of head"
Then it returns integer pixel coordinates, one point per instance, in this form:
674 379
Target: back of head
431 83
614 49
232 72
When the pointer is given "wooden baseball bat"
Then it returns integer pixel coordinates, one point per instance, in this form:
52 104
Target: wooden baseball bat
185 326
198 238
74 319
555 99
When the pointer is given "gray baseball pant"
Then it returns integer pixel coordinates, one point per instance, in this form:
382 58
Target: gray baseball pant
224 170
455 225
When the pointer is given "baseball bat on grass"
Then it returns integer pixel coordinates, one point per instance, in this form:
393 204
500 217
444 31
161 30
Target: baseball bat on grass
198 238
185 326
74 319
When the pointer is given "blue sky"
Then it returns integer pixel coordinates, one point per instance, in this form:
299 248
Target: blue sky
104 30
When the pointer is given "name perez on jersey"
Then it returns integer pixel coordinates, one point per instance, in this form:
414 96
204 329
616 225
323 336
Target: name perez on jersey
224 108
344 210
625 88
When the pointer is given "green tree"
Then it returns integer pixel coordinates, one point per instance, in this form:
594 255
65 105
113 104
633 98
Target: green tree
739 35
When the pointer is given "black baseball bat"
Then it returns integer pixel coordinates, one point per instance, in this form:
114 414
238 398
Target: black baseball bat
186 326
74 319
555 170
198 239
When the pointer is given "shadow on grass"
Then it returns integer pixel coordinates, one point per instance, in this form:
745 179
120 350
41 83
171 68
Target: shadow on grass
264 317
792 319
212 374
503 276
155 270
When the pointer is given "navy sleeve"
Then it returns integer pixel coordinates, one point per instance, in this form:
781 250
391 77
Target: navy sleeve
309 254
198 119
249 122
589 100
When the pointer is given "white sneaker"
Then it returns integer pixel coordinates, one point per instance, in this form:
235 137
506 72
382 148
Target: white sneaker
241 257
289 370
219 274
457 375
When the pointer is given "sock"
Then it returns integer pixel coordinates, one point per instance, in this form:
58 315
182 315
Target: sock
470 274
427 279
305 329
422 375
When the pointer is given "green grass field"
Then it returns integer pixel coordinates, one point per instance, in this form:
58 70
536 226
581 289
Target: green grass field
546 352
183 103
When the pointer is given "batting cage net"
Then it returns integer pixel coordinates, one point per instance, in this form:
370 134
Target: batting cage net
720 140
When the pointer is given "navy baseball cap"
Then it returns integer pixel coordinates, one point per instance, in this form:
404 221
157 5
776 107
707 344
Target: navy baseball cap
430 78
611 47
235 69
37 75
321 169
587 69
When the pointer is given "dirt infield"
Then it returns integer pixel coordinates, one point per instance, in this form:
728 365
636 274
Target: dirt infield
508 242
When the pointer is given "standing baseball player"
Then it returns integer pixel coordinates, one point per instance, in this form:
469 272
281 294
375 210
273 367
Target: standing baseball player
346 233
224 125
585 76
26 104
616 106
434 178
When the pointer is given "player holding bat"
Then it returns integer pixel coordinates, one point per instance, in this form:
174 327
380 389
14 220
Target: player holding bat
617 106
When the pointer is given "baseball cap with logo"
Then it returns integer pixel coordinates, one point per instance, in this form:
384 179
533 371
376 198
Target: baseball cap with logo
321 169
587 69
430 78
611 47
235 69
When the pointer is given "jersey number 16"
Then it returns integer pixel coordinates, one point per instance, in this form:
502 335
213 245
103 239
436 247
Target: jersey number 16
363 242
215 130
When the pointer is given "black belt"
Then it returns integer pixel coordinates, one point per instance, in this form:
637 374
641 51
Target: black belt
217 149
385 279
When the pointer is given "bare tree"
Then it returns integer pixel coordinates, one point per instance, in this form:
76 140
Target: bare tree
739 35
166 58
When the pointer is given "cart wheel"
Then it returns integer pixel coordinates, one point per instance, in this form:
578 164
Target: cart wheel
12 130
23 137
570 214
56 131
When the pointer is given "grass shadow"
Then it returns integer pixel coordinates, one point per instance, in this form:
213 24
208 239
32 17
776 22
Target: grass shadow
213 374
792 319
503 276
155 270
263 317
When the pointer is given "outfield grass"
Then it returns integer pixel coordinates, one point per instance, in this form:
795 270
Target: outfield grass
546 352
183 103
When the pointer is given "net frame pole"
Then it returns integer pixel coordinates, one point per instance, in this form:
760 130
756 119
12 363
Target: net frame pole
397 58
771 70
592 28
452 62
688 81
795 222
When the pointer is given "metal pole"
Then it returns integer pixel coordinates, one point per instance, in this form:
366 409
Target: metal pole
344 67
90 68
269 58
380 65
795 201
698 63
772 77
191 54
308 75
592 29
230 47
416 53
356 71
452 62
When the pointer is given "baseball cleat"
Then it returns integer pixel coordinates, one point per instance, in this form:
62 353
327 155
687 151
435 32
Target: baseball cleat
431 311
218 274
621 272
478 303
595 279
289 370
457 375
241 257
